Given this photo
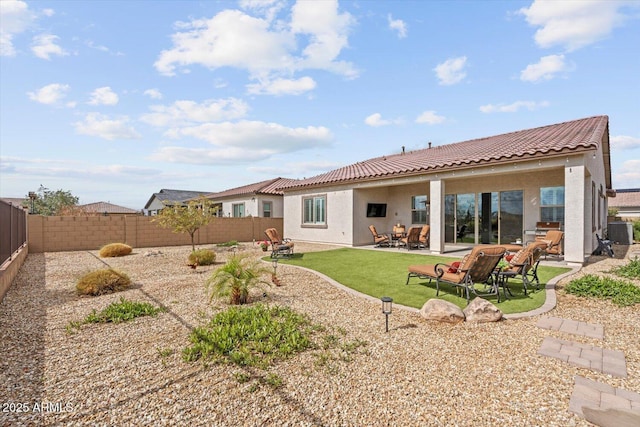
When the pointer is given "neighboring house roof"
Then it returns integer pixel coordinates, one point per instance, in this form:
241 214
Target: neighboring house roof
568 137
629 197
106 207
168 196
15 201
270 187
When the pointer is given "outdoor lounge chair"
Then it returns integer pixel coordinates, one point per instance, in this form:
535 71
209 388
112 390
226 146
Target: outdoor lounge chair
525 264
424 236
399 231
412 240
476 267
553 239
379 239
279 247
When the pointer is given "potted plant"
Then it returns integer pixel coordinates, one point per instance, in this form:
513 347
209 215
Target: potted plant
264 245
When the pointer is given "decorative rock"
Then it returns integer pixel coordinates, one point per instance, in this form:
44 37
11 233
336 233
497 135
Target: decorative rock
481 311
612 417
442 311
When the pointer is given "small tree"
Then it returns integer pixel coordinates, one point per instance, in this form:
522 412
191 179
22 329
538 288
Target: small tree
46 202
187 219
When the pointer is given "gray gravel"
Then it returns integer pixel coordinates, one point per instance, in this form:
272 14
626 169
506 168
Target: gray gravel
420 373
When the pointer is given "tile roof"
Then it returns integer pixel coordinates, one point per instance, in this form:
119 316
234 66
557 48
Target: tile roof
573 136
166 195
102 207
625 198
270 186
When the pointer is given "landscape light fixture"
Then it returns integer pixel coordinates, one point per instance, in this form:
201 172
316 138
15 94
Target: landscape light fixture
274 262
386 310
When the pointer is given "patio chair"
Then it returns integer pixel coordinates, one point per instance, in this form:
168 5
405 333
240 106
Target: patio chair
476 267
604 246
279 247
424 236
553 239
379 240
525 264
412 240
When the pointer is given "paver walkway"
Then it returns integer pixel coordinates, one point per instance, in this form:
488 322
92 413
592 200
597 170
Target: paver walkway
604 405
593 394
586 356
568 326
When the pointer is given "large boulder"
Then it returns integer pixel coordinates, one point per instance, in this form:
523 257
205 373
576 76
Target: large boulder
481 311
442 311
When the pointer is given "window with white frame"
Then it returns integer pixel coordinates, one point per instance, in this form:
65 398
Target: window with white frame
266 209
419 211
314 210
238 210
552 204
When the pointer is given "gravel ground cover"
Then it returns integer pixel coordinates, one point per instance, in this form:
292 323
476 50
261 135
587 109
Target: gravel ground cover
420 373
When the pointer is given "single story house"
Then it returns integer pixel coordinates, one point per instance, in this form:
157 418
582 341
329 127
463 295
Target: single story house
260 199
106 208
488 190
627 203
165 197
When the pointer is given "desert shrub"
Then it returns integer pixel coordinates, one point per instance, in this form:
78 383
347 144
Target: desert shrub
115 249
631 270
620 292
202 257
236 278
636 231
116 312
104 281
251 336
228 244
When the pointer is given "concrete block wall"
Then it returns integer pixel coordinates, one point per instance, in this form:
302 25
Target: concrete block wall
9 270
55 234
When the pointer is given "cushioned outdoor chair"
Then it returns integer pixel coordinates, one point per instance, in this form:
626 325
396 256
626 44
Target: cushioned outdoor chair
412 239
279 247
424 236
553 239
379 239
399 231
476 267
524 264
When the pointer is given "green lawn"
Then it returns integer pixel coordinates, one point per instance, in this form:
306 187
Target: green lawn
384 273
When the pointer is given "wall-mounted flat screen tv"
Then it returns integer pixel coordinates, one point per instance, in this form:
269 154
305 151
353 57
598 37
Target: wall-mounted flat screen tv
376 210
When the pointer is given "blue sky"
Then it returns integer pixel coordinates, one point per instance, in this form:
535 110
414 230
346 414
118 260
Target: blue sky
114 100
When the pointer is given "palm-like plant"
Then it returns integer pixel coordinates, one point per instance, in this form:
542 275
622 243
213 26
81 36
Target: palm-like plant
236 278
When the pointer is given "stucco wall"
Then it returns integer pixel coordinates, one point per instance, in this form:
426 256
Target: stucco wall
253 206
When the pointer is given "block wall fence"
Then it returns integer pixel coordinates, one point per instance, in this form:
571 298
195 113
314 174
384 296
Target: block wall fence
69 233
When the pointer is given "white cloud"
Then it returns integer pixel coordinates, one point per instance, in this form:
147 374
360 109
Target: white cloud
189 112
44 46
399 26
513 107
49 94
376 120
545 69
282 87
628 176
103 96
623 142
573 24
95 124
269 49
15 18
243 141
451 71
153 93
430 118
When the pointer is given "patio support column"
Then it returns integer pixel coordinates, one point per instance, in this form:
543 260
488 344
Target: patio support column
575 212
436 215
